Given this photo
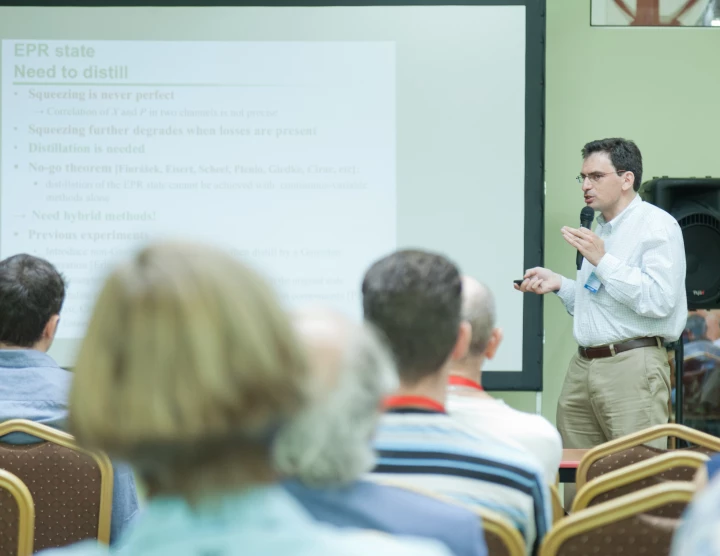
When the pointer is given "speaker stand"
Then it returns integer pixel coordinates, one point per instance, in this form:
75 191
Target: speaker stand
679 363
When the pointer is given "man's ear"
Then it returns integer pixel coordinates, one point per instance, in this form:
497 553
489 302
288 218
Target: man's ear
51 328
496 337
462 344
628 181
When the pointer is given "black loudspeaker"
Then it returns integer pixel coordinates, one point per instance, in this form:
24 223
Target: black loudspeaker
695 203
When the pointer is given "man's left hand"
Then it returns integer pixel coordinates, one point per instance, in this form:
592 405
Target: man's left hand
586 241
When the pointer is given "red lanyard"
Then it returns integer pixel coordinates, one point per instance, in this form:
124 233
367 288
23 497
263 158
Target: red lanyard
419 402
462 381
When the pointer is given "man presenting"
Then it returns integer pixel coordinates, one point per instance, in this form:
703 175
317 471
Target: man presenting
627 300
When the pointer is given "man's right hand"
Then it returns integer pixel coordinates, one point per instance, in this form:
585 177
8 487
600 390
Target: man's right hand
540 280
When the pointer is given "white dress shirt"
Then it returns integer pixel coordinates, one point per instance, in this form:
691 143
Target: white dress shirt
642 280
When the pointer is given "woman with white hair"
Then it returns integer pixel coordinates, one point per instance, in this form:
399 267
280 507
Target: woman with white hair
188 369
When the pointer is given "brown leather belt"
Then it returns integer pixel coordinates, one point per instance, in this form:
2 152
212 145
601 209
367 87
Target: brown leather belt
613 349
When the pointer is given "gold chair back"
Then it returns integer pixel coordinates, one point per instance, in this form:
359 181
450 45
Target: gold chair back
630 449
71 487
679 465
17 516
558 512
620 526
501 538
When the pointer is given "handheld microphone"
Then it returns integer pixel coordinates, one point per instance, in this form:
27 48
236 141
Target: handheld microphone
587 215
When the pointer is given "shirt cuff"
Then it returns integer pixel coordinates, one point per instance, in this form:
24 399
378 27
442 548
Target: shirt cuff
567 290
607 267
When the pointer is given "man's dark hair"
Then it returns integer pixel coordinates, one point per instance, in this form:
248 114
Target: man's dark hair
31 291
624 155
415 298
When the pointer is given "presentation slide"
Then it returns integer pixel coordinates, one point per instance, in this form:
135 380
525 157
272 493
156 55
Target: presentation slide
309 141
276 150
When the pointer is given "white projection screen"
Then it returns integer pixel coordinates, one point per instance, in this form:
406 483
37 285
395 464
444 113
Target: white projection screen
309 140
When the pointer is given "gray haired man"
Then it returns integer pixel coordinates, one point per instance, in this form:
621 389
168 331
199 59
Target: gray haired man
327 449
470 404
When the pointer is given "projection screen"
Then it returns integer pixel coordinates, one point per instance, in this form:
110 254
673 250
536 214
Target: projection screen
308 140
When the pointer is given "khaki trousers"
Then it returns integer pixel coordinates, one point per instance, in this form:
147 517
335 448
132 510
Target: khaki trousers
606 398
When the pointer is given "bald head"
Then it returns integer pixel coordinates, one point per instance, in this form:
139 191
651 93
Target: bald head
326 336
329 443
478 309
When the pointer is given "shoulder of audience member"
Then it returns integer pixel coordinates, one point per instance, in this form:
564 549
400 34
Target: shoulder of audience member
546 431
432 506
542 431
501 448
706 504
382 544
85 548
359 543
698 533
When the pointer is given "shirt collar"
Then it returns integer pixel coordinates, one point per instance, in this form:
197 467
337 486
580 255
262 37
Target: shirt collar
636 202
22 358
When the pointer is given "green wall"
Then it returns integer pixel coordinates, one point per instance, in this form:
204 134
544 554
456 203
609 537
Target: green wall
659 87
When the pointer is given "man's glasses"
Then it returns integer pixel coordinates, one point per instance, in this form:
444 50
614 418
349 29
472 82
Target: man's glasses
596 176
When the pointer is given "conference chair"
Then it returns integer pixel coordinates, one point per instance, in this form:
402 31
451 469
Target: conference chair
501 537
558 512
620 526
680 465
17 516
630 449
71 487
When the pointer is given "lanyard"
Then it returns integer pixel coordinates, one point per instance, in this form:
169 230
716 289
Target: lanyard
419 402
462 381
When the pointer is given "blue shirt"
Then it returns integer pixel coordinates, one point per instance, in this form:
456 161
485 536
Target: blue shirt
392 510
429 450
713 466
260 522
699 530
34 387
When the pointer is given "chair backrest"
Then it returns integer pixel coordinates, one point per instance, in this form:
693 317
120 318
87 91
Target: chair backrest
630 449
558 512
501 537
17 516
678 465
71 488
620 526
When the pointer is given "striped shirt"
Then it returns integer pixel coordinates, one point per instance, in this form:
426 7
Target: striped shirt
425 448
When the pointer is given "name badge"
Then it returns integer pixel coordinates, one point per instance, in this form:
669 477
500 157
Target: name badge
593 283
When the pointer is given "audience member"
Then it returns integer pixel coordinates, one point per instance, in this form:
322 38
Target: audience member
712 322
328 447
188 369
699 530
471 405
414 297
32 385
701 373
707 472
